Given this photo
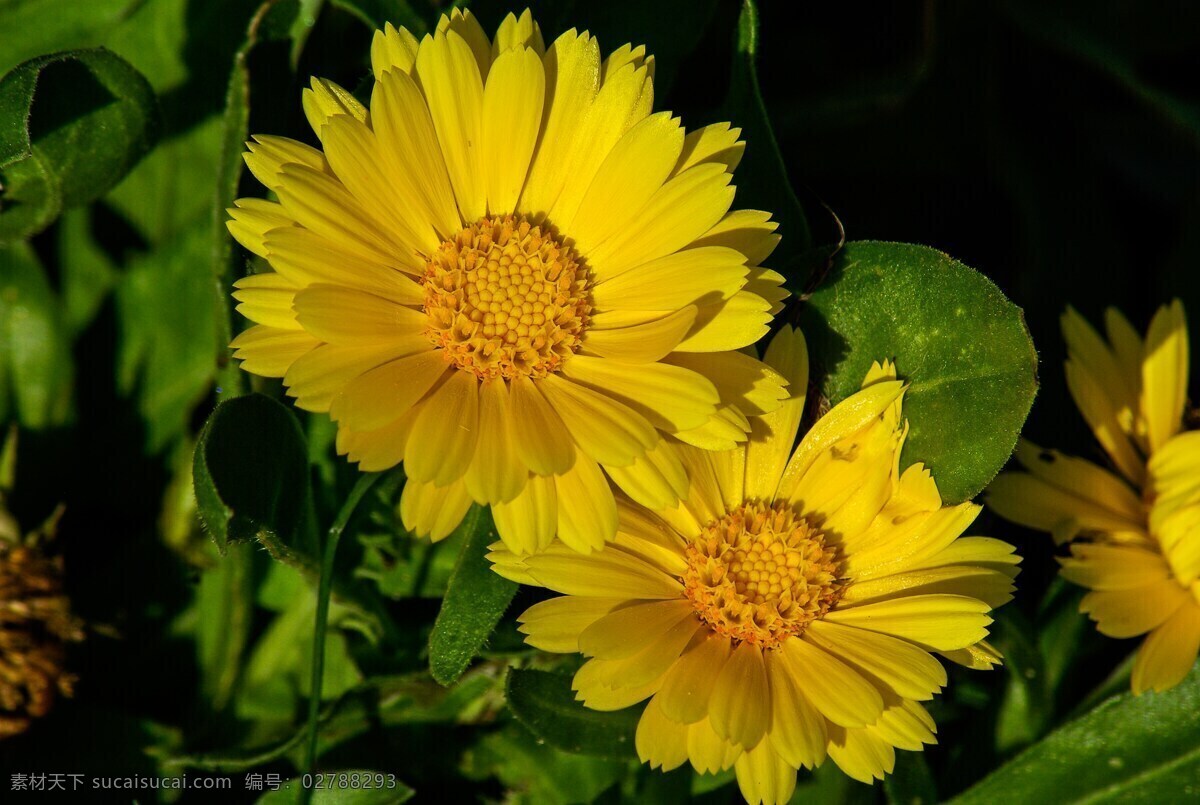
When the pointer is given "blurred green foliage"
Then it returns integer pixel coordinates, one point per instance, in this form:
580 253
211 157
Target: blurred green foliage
1055 148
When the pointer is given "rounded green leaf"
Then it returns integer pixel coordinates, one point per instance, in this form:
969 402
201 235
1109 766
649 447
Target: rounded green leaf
545 703
959 342
1129 749
72 124
250 471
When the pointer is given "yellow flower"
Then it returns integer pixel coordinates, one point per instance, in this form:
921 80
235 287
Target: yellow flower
1135 533
789 608
510 275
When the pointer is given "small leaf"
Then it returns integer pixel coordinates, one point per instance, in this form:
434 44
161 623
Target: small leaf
475 601
762 176
72 124
960 344
35 350
545 703
1128 749
251 475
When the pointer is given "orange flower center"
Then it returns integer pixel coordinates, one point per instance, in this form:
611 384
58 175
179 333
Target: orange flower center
506 298
761 574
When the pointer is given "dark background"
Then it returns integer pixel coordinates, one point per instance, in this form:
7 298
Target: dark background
1055 147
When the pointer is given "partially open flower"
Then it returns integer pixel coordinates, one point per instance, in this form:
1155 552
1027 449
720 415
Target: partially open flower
790 607
1134 533
510 275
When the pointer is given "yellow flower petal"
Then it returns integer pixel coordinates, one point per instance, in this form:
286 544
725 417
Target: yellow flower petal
1165 374
715 143
633 629
306 258
774 433
861 754
836 690
587 514
512 118
908 670
642 341
450 76
607 430
670 397
270 351
516 32
572 65
709 752
660 742
846 418
341 315
751 232
433 511
943 622
496 473
1131 612
656 479
393 49
763 776
704 275
326 100
555 624
539 436
1169 651
410 149
377 397
378 450
688 687
267 299
740 705
798 731
446 432
679 212
317 377
527 522
627 179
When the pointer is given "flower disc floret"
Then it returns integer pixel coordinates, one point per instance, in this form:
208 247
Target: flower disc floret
761 574
505 298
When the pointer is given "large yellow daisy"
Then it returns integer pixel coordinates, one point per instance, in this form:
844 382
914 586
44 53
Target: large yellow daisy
789 608
1134 532
512 276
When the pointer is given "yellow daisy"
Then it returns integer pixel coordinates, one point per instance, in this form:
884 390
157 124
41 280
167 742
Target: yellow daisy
1135 532
512 276
789 608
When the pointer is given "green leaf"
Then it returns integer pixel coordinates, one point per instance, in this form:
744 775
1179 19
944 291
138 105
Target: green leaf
35 350
960 344
225 615
50 25
475 601
536 774
762 176
911 782
72 124
251 475
382 701
1129 749
545 703
333 792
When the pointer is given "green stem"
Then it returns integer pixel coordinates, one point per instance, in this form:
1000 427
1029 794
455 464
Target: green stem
360 489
